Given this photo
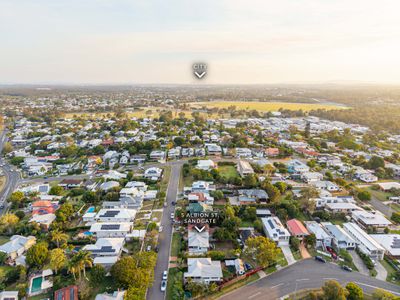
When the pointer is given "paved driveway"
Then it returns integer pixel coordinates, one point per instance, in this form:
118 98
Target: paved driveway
288 254
362 268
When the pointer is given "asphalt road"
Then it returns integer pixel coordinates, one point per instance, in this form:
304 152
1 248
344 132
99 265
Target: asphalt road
306 274
164 239
12 176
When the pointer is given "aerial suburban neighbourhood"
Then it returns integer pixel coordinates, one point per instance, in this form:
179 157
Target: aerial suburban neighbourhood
172 205
199 150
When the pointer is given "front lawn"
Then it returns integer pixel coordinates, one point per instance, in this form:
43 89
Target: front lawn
176 244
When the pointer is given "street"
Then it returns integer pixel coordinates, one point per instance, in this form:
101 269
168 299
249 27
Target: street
164 239
11 175
306 274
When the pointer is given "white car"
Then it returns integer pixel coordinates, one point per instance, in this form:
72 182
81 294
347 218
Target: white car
163 285
165 275
172 215
160 229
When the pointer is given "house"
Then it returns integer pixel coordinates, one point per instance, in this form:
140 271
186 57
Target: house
17 246
11 295
115 215
296 228
387 186
213 149
243 152
201 197
108 185
365 243
70 183
67 293
203 270
271 152
340 238
323 201
375 220
295 167
157 155
198 242
153 173
43 207
43 220
252 196
109 230
244 168
174 153
368 177
326 185
310 177
205 164
389 242
274 230
117 295
202 186
138 159
323 239
263 212
106 247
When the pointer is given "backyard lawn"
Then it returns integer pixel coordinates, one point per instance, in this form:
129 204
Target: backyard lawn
228 172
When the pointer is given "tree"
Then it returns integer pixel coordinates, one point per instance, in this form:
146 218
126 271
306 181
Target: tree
355 292
37 255
364 196
7 148
135 293
250 181
56 190
90 197
97 275
58 237
376 162
395 217
8 222
380 294
263 249
272 191
57 259
310 240
306 199
332 290
17 197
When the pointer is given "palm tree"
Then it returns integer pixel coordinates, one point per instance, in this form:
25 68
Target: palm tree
73 267
84 260
58 237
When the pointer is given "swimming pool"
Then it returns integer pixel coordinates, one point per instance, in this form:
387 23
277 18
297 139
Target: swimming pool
88 233
90 209
36 284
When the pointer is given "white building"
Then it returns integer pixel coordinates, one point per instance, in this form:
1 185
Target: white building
323 239
371 220
390 242
205 164
365 243
274 230
109 230
244 168
203 270
198 242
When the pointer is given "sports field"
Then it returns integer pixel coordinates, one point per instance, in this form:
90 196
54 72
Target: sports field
267 106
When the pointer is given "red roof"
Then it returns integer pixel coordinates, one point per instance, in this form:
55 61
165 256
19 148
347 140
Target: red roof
296 227
67 293
42 203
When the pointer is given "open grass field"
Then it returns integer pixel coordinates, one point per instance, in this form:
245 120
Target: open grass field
229 172
153 112
267 106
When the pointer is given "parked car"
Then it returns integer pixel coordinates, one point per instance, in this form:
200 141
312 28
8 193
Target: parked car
332 252
165 275
160 229
248 266
347 268
172 215
148 248
163 285
320 258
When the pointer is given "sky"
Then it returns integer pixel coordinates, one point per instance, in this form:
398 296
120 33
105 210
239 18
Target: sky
157 41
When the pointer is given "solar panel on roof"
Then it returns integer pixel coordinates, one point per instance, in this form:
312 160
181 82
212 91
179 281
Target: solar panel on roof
109 226
271 224
110 213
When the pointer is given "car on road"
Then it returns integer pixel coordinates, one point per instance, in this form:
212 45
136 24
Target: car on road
172 215
320 258
165 275
173 203
347 268
163 285
160 229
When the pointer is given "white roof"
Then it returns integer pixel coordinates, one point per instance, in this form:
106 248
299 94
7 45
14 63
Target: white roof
198 239
116 213
105 260
317 229
361 236
103 243
109 226
389 185
117 295
9 295
203 268
369 218
46 219
390 242
16 242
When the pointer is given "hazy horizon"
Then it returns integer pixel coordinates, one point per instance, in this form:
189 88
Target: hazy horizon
124 42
